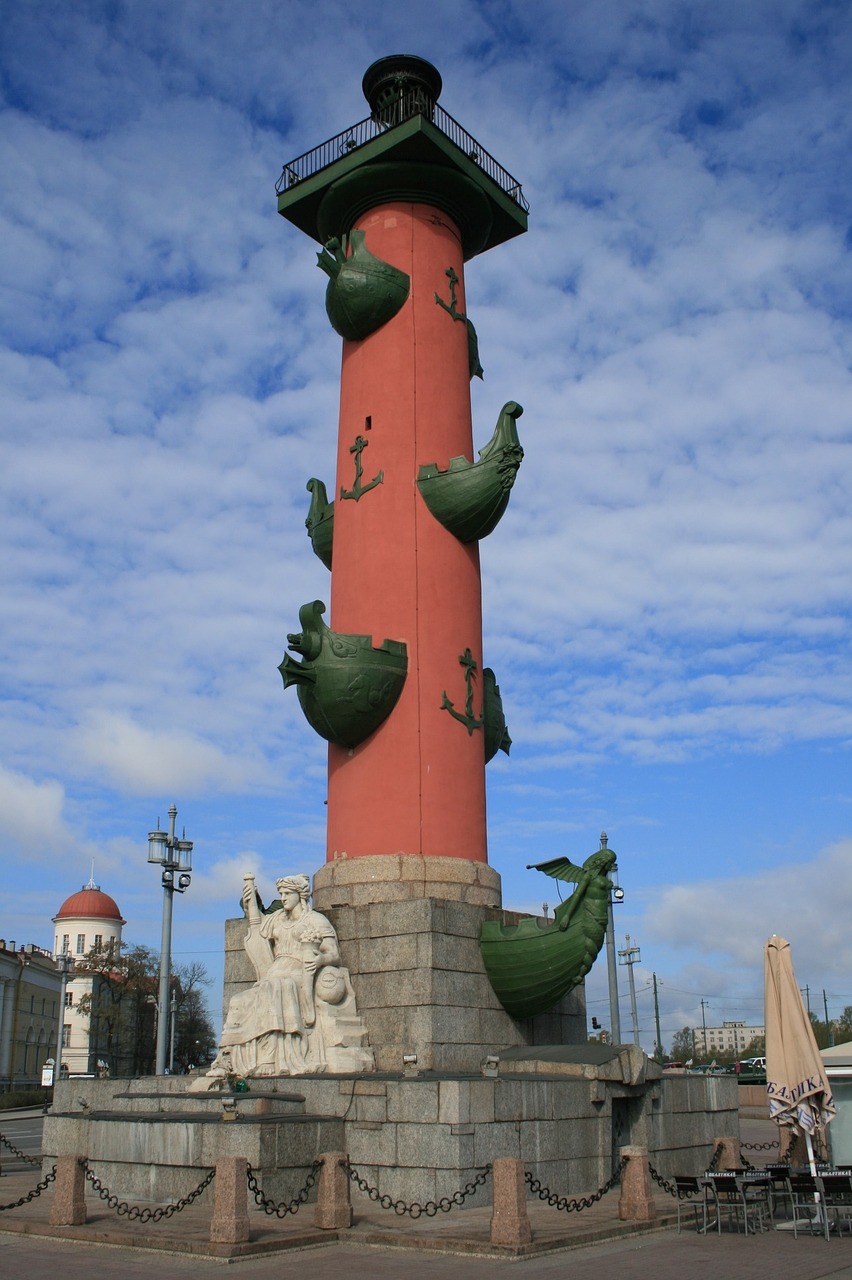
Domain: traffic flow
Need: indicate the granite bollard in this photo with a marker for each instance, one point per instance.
(333, 1209)
(69, 1198)
(230, 1221)
(510, 1223)
(636, 1203)
(730, 1156)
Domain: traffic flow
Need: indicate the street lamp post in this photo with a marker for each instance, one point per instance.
(172, 1021)
(630, 956)
(616, 895)
(175, 858)
(65, 965)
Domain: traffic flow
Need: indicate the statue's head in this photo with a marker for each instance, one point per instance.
(296, 884)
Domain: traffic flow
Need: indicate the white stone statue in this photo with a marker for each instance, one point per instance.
(300, 1016)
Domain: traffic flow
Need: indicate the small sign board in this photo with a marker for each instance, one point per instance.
(47, 1075)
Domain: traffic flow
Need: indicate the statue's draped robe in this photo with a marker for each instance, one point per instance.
(267, 1026)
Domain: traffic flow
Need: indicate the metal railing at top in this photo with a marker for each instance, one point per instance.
(405, 107)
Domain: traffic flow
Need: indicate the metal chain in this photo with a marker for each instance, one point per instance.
(281, 1210)
(672, 1189)
(22, 1155)
(132, 1211)
(414, 1210)
(578, 1203)
(34, 1194)
(669, 1187)
(758, 1146)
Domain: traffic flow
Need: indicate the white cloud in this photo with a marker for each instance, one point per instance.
(34, 820)
(145, 761)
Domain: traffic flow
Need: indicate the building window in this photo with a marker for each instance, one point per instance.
(66, 1035)
(99, 942)
(66, 944)
(81, 943)
(69, 999)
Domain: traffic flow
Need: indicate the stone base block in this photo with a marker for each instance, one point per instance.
(358, 882)
(417, 972)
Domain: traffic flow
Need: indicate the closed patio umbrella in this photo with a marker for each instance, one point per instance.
(796, 1083)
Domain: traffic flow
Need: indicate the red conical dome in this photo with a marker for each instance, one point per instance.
(89, 903)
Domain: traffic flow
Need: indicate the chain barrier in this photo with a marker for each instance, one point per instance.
(283, 1208)
(414, 1210)
(133, 1211)
(578, 1203)
(758, 1146)
(671, 1188)
(22, 1155)
(34, 1194)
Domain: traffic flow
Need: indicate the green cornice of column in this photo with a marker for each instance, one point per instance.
(412, 161)
(443, 188)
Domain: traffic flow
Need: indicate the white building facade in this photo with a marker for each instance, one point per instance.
(87, 921)
(731, 1037)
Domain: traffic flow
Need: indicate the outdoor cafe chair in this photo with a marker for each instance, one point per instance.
(689, 1189)
(806, 1203)
(835, 1189)
(727, 1199)
(756, 1191)
(778, 1174)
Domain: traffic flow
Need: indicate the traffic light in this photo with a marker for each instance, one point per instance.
(595, 1023)
(604, 1037)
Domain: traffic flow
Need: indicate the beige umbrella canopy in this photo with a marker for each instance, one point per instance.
(798, 1091)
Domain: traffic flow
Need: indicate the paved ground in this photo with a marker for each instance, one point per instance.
(659, 1256)
(381, 1246)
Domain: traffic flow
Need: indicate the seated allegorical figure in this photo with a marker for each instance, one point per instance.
(300, 1015)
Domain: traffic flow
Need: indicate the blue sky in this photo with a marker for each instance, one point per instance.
(667, 600)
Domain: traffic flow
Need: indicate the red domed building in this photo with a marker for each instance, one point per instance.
(89, 920)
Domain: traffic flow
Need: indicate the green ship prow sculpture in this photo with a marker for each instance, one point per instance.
(469, 498)
(346, 685)
(532, 964)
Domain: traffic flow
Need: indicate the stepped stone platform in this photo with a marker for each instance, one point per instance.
(413, 1138)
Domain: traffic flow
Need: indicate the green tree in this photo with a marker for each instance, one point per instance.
(821, 1031)
(843, 1026)
(195, 1039)
(683, 1045)
(121, 1015)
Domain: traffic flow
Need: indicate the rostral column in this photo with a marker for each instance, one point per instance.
(393, 677)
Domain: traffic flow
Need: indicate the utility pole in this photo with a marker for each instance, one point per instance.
(828, 1024)
(704, 1023)
(657, 1021)
(631, 956)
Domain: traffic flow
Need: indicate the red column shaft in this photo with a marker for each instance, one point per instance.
(417, 785)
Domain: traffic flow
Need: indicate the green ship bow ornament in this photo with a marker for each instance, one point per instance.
(469, 498)
(346, 686)
(532, 965)
(363, 292)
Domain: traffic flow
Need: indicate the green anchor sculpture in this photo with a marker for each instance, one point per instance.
(358, 489)
(475, 368)
(346, 686)
(468, 719)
